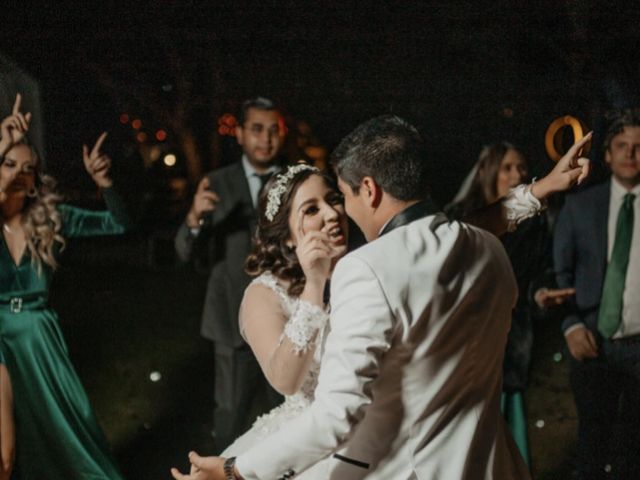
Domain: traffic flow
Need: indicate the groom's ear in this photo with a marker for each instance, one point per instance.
(371, 191)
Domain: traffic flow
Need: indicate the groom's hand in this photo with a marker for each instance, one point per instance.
(202, 468)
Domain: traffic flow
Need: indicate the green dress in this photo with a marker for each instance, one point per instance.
(57, 434)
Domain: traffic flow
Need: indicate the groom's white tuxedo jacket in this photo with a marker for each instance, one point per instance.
(411, 376)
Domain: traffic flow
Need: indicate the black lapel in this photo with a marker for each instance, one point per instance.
(416, 211)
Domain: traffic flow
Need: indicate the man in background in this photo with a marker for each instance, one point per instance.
(223, 216)
(597, 251)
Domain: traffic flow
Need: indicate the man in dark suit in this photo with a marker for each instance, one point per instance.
(223, 213)
(597, 251)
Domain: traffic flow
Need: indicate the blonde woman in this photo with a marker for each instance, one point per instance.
(56, 432)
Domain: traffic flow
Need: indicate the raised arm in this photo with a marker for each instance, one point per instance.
(204, 203)
(524, 201)
(12, 130)
(79, 222)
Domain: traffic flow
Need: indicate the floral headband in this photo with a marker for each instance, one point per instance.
(274, 197)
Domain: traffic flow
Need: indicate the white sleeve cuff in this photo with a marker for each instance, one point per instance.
(520, 204)
(572, 328)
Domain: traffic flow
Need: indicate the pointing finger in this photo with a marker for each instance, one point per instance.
(16, 105)
(203, 185)
(573, 151)
(98, 145)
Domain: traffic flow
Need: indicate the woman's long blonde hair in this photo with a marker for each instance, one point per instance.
(41, 220)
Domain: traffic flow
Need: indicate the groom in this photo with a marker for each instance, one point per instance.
(411, 374)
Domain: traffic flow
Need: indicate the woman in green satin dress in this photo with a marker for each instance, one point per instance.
(57, 436)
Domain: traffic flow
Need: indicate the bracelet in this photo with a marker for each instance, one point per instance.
(227, 467)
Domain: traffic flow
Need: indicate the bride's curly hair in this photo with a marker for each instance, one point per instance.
(270, 251)
(41, 220)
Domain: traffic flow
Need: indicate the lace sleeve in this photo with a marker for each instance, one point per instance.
(520, 204)
(281, 334)
(303, 326)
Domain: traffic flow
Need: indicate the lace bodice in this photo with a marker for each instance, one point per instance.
(269, 280)
(303, 321)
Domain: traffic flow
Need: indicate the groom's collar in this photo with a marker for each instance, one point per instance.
(413, 212)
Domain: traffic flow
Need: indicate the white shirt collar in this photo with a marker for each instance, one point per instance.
(619, 191)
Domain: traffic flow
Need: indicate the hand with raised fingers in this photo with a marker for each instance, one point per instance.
(97, 163)
(315, 254)
(570, 170)
(204, 201)
(14, 127)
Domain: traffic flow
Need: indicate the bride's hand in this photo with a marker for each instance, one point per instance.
(315, 254)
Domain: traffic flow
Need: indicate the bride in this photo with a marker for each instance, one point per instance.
(302, 232)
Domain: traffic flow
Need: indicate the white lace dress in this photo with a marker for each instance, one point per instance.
(304, 320)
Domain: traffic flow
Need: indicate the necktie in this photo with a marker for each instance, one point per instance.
(263, 180)
(610, 313)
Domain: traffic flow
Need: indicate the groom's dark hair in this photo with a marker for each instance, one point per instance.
(388, 149)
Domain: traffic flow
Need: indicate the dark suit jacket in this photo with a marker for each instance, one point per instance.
(227, 232)
(580, 252)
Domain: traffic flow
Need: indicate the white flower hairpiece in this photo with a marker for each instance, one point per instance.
(274, 197)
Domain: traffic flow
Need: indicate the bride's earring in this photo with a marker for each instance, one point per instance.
(33, 193)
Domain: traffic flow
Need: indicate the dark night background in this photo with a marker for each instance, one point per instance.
(466, 73)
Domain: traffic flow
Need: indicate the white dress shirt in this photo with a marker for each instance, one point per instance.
(630, 324)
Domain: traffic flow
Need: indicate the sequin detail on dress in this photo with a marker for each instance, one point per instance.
(304, 320)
